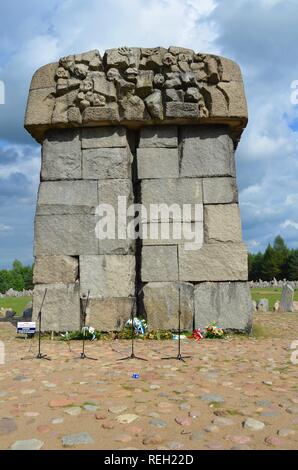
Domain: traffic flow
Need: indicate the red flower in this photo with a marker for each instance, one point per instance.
(197, 335)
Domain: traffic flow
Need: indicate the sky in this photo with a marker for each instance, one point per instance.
(261, 35)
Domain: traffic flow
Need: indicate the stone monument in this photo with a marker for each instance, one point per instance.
(156, 126)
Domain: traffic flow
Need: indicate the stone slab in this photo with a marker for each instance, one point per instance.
(104, 137)
(173, 233)
(67, 197)
(237, 101)
(61, 309)
(159, 136)
(213, 262)
(40, 107)
(107, 275)
(52, 269)
(220, 190)
(106, 163)
(222, 223)
(207, 151)
(61, 155)
(229, 304)
(175, 109)
(109, 314)
(171, 191)
(161, 302)
(159, 263)
(65, 235)
(108, 193)
(44, 77)
(287, 298)
(158, 163)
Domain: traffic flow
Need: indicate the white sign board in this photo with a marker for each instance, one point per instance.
(28, 328)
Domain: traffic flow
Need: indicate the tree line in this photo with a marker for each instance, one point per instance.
(18, 278)
(278, 261)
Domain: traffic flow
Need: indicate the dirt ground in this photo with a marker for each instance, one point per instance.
(204, 403)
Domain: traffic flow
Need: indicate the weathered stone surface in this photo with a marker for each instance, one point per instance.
(230, 71)
(44, 77)
(214, 262)
(287, 298)
(109, 314)
(175, 109)
(82, 438)
(237, 101)
(220, 190)
(173, 191)
(158, 163)
(40, 106)
(159, 263)
(263, 305)
(28, 444)
(65, 235)
(227, 303)
(67, 197)
(207, 151)
(107, 275)
(144, 85)
(61, 309)
(161, 301)
(133, 84)
(219, 105)
(110, 190)
(102, 137)
(154, 104)
(114, 192)
(253, 424)
(105, 163)
(7, 426)
(133, 108)
(61, 155)
(52, 269)
(173, 233)
(122, 57)
(174, 95)
(159, 136)
(222, 223)
(100, 114)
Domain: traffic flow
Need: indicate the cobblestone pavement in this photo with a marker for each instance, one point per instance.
(237, 393)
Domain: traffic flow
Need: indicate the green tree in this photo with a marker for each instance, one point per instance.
(281, 254)
(18, 278)
(255, 266)
(292, 268)
(270, 268)
(5, 280)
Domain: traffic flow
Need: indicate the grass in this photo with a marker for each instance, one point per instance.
(17, 304)
(258, 331)
(271, 293)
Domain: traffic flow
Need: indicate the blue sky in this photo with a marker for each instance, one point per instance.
(261, 35)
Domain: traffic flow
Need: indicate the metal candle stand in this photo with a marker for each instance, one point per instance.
(179, 356)
(39, 354)
(84, 314)
(133, 356)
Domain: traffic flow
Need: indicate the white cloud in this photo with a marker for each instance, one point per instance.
(253, 244)
(4, 228)
(289, 223)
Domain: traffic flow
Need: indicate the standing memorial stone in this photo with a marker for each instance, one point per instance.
(287, 298)
(153, 126)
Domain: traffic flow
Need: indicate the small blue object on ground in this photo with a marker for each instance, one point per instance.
(135, 376)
